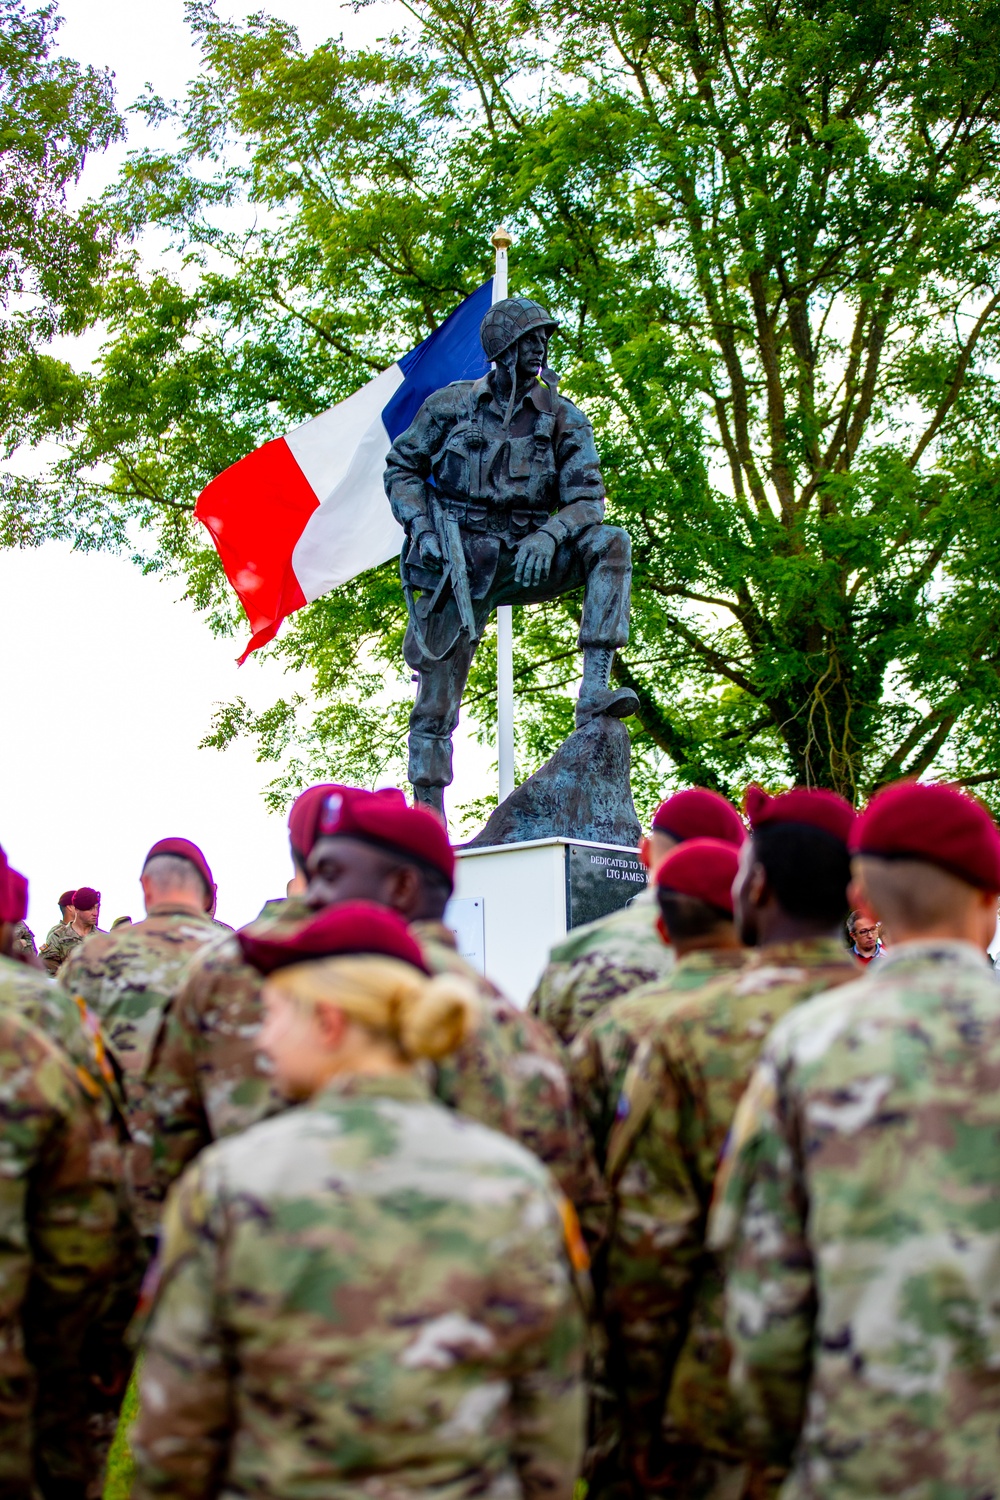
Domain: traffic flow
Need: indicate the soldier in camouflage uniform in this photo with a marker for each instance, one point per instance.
(69, 1270)
(62, 940)
(209, 1080)
(69, 1266)
(662, 1296)
(128, 978)
(416, 1331)
(597, 963)
(694, 896)
(694, 893)
(857, 1204)
(67, 912)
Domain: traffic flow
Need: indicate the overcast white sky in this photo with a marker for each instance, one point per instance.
(113, 681)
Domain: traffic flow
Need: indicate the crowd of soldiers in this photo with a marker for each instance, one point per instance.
(716, 1218)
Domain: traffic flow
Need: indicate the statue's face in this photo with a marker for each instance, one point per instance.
(531, 351)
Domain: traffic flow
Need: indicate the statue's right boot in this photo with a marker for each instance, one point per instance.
(596, 697)
(431, 797)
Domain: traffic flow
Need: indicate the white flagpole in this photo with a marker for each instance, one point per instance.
(501, 242)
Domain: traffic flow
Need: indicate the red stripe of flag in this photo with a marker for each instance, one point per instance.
(256, 511)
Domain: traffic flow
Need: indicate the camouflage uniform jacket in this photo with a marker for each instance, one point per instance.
(597, 963)
(59, 945)
(603, 1051)
(128, 978)
(68, 1265)
(511, 1075)
(859, 1206)
(366, 1296)
(662, 1293)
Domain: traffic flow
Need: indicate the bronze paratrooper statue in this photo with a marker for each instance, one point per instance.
(497, 485)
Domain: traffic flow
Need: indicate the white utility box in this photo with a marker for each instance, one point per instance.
(513, 901)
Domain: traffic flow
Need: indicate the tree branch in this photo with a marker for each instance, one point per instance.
(951, 394)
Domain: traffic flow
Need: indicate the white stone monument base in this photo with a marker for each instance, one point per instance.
(512, 902)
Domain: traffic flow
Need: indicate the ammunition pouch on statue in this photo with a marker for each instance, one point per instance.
(512, 521)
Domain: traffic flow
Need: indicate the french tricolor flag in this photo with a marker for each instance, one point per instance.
(307, 512)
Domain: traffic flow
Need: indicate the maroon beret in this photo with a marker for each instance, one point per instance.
(304, 816)
(698, 813)
(184, 849)
(936, 823)
(86, 898)
(384, 819)
(811, 806)
(66, 899)
(352, 927)
(13, 893)
(702, 868)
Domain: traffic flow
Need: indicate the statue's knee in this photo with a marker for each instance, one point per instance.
(618, 544)
(609, 544)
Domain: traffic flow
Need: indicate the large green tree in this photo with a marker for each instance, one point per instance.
(771, 233)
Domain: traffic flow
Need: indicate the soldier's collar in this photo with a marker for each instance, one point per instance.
(438, 931)
(816, 950)
(714, 958)
(949, 951)
(406, 1086)
(169, 909)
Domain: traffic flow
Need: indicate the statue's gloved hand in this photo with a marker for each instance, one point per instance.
(534, 559)
(430, 550)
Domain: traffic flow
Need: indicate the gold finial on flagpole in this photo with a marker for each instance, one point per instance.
(500, 239)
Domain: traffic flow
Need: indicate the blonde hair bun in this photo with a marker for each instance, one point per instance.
(436, 1017)
(426, 1018)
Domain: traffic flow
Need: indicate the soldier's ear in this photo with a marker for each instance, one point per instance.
(757, 889)
(331, 1023)
(404, 891)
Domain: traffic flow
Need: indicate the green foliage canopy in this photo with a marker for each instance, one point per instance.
(771, 232)
(52, 113)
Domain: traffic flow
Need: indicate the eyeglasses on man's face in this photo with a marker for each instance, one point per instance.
(868, 931)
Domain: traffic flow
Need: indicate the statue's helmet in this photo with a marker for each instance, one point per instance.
(511, 319)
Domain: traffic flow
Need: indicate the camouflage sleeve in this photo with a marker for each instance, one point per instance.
(180, 1439)
(599, 1060)
(24, 940)
(548, 1393)
(52, 954)
(571, 993)
(758, 1222)
(551, 1001)
(657, 1243)
(179, 1127)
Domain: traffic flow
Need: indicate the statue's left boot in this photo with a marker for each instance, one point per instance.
(596, 697)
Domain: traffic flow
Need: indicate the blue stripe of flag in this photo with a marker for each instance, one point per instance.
(452, 352)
